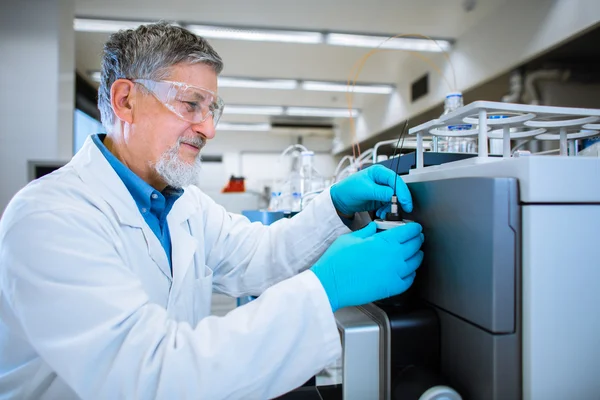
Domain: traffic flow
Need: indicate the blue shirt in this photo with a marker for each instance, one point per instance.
(153, 205)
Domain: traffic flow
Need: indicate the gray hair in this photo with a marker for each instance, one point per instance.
(148, 52)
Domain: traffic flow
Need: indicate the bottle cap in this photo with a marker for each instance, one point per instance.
(385, 225)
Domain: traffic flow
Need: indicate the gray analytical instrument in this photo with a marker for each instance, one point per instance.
(505, 305)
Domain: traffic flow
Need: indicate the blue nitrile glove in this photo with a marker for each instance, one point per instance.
(370, 189)
(365, 266)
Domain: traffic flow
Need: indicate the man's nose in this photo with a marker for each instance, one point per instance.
(205, 128)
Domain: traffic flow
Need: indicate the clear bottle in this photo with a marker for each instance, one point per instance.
(306, 172)
(449, 144)
(311, 182)
(294, 192)
(288, 195)
(274, 202)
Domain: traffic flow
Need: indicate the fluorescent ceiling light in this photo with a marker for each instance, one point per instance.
(262, 35)
(336, 39)
(253, 110)
(104, 25)
(228, 126)
(291, 84)
(343, 87)
(321, 112)
(94, 75)
(292, 111)
(288, 84)
(414, 44)
(277, 35)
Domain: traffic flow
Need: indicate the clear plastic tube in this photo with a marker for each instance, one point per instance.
(337, 168)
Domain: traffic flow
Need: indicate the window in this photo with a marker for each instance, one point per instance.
(84, 126)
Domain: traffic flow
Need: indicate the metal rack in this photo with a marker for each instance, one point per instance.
(508, 121)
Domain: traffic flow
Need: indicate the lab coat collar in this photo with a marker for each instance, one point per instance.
(98, 174)
(96, 171)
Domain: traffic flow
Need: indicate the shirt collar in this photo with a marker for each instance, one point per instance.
(139, 189)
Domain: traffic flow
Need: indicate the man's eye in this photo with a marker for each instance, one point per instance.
(191, 105)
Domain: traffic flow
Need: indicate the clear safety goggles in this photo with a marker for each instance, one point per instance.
(190, 103)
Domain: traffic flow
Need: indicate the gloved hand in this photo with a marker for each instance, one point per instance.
(370, 189)
(365, 266)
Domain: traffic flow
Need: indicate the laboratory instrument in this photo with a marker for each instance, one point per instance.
(504, 230)
(505, 303)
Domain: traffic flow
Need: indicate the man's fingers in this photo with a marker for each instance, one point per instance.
(414, 262)
(402, 233)
(410, 247)
(385, 176)
(365, 232)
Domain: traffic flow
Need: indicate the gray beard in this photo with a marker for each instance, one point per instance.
(176, 172)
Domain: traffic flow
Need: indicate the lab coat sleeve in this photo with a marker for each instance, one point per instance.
(247, 258)
(88, 317)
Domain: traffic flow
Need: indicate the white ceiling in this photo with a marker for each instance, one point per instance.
(437, 18)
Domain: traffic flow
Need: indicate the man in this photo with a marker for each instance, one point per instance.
(107, 265)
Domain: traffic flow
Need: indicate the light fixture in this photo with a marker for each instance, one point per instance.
(413, 44)
(252, 110)
(291, 111)
(229, 126)
(278, 35)
(104, 25)
(321, 112)
(262, 35)
(343, 87)
(231, 82)
(289, 84)
(94, 76)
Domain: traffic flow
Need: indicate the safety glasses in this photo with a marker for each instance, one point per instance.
(190, 103)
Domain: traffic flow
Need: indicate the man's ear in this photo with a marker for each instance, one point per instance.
(121, 99)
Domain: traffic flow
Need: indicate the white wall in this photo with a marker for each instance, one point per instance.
(36, 87)
(514, 34)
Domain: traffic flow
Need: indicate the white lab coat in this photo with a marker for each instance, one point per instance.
(88, 308)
